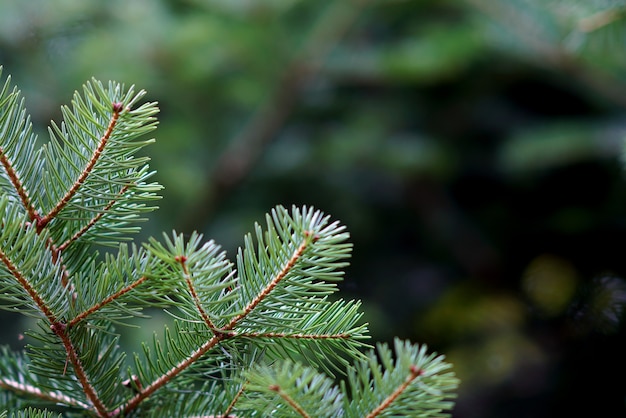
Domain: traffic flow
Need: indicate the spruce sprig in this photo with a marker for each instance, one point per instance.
(269, 321)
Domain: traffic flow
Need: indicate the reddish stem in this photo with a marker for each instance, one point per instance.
(60, 330)
(106, 301)
(414, 372)
(205, 317)
(92, 222)
(268, 289)
(42, 222)
(19, 187)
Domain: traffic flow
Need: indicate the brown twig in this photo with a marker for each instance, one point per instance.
(92, 221)
(50, 396)
(221, 334)
(42, 222)
(165, 378)
(182, 260)
(414, 372)
(28, 287)
(19, 186)
(106, 301)
(296, 406)
(60, 330)
(232, 403)
(271, 285)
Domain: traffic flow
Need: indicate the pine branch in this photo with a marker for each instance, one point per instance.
(35, 392)
(34, 413)
(18, 140)
(42, 222)
(414, 372)
(234, 323)
(194, 294)
(265, 292)
(415, 384)
(92, 222)
(109, 299)
(17, 184)
(60, 330)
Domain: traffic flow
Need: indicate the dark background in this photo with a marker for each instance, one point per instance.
(473, 149)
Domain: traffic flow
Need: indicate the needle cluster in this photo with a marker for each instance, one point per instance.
(258, 336)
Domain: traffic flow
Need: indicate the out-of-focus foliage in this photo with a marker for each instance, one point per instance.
(472, 149)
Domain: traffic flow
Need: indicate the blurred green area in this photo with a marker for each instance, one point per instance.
(471, 148)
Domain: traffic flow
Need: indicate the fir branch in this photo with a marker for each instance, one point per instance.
(274, 282)
(60, 330)
(117, 109)
(148, 390)
(232, 403)
(290, 401)
(16, 149)
(96, 307)
(194, 295)
(26, 285)
(276, 304)
(286, 387)
(19, 187)
(414, 372)
(93, 221)
(35, 392)
(281, 335)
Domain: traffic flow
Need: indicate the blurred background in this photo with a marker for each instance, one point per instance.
(472, 148)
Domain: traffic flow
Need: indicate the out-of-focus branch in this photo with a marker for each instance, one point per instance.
(247, 146)
(555, 55)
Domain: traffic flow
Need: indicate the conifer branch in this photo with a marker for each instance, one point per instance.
(57, 250)
(414, 372)
(60, 330)
(19, 186)
(92, 222)
(148, 390)
(26, 285)
(182, 260)
(35, 392)
(42, 222)
(232, 403)
(272, 284)
(106, 301)
(297, 407)
(342, 336)
(280, 304)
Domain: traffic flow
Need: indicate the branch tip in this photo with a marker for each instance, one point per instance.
(314, 237)
(416, 371)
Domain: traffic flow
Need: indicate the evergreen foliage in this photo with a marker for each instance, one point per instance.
(249, 338)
